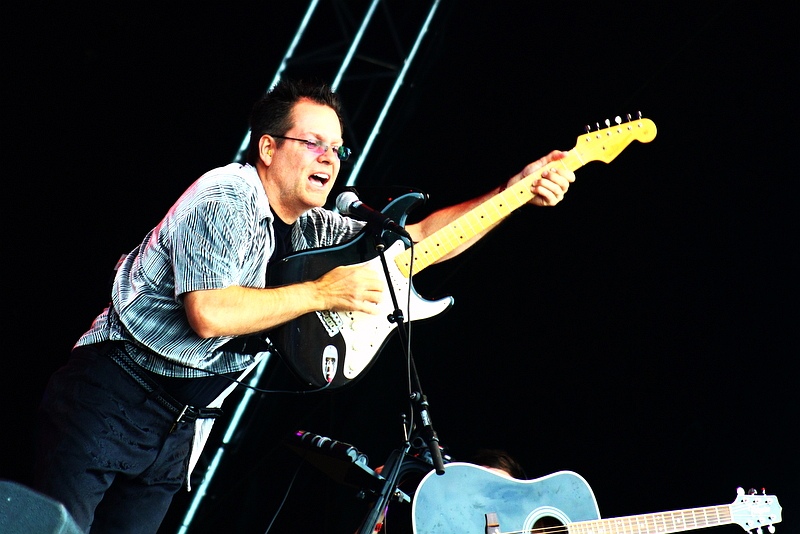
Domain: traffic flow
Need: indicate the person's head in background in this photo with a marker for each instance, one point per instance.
(499, 461)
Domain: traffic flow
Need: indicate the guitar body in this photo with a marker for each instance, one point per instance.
(466, 496)
(335, 348)
(458, 501)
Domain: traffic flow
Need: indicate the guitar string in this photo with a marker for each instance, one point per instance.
(543, 530)
(722, 519)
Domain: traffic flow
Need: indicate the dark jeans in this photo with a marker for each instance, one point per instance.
(105, 449)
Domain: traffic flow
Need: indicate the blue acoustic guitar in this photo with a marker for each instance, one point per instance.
(471, 499)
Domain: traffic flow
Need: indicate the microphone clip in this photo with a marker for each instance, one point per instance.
(349, 204)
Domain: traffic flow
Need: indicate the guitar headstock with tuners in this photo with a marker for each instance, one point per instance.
(606, 144)
(753, 511)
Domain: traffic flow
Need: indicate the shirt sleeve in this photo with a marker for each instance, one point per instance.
(211, 242)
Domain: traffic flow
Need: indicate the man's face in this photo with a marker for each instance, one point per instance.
(303, 177)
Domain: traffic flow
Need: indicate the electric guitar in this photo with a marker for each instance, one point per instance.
(471, 499)
(331, 348)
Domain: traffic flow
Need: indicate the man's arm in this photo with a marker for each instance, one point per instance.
(237, 310)
(548, 191)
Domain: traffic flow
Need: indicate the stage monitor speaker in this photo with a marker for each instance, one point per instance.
(25, 511)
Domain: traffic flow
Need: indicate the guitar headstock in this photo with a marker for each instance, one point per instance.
(752, 511)
(606, 144)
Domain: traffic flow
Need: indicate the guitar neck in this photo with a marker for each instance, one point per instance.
(659, 523)
(480, 218)
(602, 145)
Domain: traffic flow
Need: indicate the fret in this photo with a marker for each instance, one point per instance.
(475, 223)
(650, 521)
(519, 193)
(656, 523)
(451, 238)
(627, 525)
(696, 519)
(501, 209)
(678, 523)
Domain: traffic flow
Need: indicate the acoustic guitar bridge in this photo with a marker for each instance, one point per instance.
(492, 523)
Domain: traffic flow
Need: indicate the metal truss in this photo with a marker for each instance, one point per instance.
(363, 50)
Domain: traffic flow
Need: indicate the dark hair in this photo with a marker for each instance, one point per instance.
(499, 459)
(272, 113)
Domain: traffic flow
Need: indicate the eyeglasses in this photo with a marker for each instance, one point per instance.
(318, 147)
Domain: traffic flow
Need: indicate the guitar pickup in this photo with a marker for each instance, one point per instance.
(331, 321)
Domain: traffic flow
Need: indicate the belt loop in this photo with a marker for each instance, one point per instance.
(178, 420)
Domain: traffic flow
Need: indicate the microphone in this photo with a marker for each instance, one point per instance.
(348, 203)
(335, 449)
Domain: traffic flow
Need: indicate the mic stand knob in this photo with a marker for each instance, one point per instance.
(429, 434)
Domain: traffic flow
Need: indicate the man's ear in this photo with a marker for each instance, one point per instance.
(265, 148)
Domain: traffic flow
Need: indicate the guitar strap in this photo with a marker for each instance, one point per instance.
(283, 243)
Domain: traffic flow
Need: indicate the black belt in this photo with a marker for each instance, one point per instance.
(184, 412)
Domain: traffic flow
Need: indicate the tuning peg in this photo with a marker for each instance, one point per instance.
(618, 120)
(771, 529)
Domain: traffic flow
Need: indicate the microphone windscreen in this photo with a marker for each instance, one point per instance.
(344, 201)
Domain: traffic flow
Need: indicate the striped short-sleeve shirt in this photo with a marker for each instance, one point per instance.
(218, 234)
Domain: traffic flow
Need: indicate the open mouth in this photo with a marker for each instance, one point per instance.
(320, 178)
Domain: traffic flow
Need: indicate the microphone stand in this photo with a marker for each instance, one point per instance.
(417, 396)
(373, 522)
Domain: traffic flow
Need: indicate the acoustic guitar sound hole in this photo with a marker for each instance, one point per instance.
(543, 525)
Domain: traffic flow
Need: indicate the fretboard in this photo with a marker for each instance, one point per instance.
(659, 523)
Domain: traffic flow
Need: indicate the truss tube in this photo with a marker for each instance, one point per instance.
(351, 180)
(286, 57)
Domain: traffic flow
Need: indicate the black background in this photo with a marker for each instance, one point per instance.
(641, 333)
